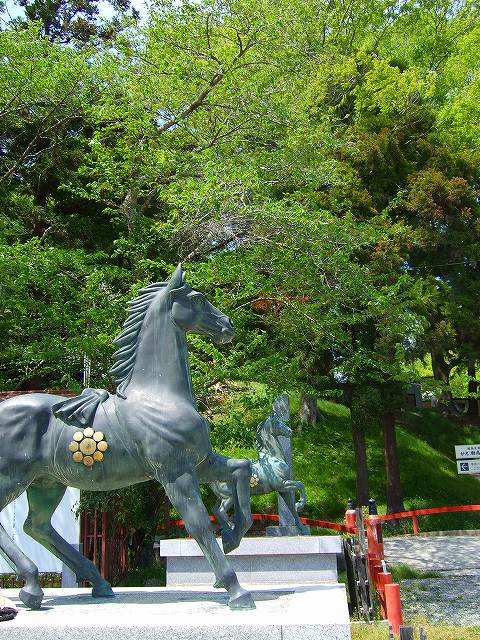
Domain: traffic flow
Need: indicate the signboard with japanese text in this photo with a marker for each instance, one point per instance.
(467, 451)
(468, 466)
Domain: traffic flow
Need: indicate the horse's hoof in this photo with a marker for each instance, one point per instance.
(103, 591)
(244, 601)
(31, 599)
(228, 542)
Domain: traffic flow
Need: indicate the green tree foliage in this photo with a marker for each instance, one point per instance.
(57, 305)
(74, 20)
(314, 165)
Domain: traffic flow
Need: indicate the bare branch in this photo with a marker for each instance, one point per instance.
(201, 98)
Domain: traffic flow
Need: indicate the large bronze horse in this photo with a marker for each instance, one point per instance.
(150, 429)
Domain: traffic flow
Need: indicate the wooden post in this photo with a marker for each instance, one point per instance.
(394, 606)
(406, 633)
(95, 541)
(381, 579)
(416, 528)
(350, 518)
(360, 530)
(375, 541)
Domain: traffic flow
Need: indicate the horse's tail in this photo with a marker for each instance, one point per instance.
(300, 505)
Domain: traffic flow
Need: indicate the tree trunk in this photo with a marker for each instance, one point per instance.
(359, 447)
(141, 549)
(392, 468)
(309, 413)
(441, 371)
(472, 389)
(361, 468)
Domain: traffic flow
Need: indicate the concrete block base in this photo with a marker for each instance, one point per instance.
(284, 530)
(308, 612)
(272, 560)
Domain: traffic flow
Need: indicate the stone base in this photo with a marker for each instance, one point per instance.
(268, 561)
(309, 612)
(286, 530)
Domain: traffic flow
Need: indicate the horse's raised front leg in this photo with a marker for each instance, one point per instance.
(181, 486)
(220, 511)
(237, 473)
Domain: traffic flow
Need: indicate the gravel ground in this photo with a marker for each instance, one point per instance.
(438, 554)
(453, 598)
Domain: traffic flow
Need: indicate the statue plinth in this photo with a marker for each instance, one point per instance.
(270, 560)
(286, 530)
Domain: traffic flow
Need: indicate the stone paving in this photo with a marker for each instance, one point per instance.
(454, 597)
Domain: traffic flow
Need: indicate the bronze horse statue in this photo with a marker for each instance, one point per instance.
(149, 429)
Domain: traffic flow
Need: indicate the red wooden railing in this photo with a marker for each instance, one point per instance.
(104, 543)
(414, 513)
(272, 517)
(93, 534)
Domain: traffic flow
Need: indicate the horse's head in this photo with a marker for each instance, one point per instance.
(193, 312)
(280, 428)
(273, 426)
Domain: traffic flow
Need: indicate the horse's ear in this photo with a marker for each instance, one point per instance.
(177, 279)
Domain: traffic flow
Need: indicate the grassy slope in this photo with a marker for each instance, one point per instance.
(323, 459)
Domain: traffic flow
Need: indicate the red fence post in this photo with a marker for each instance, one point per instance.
(382, 579)
(104, 572)
(416, 528)
(375, 542)
(394, 606)
(350, 519)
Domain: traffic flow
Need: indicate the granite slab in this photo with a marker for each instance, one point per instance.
(301, 612)
(283, 560)
(285, 545)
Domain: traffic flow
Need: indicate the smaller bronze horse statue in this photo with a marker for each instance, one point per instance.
(269, 473)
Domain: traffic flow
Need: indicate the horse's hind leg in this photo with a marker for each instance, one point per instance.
(31, 594)
(288, 495)
(43, 498)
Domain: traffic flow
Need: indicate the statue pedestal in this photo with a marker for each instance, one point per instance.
(272, 561)
(315, 612)
(284, 530)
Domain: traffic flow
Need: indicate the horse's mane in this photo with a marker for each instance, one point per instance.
(124, 357)
(259, 441)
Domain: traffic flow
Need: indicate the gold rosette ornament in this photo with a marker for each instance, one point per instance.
(254, 480)
(88, 446)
